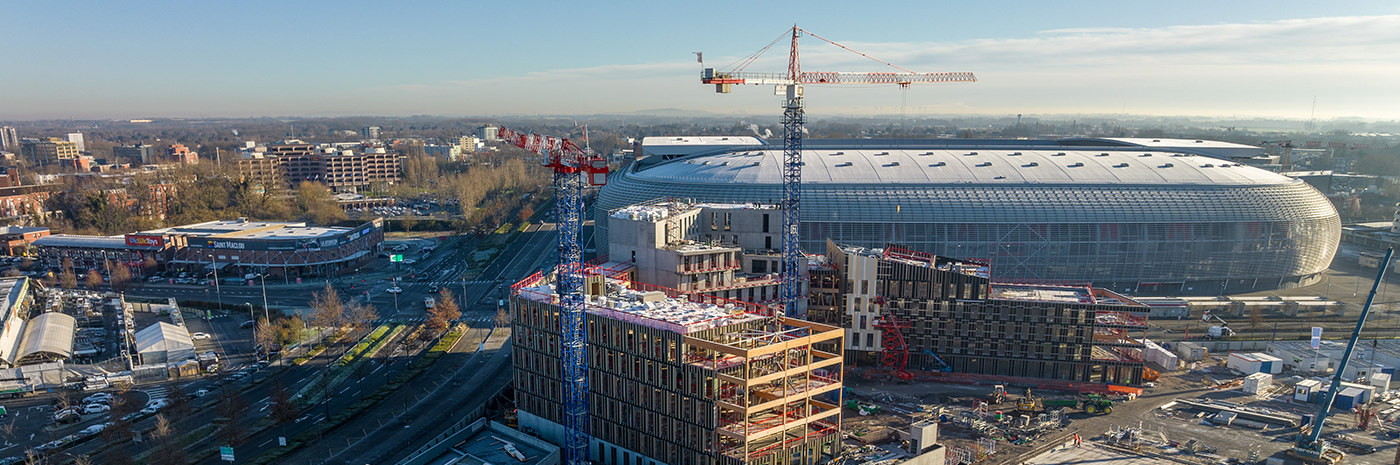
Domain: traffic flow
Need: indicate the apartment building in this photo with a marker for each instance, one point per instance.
(938, 310)
(340, 168)
(48, 151)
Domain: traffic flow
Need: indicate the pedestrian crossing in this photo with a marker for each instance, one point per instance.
(450, 283)
(157, 392)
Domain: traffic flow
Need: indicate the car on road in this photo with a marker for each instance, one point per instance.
(395, 290)
(92, 409)
(158, 403)
(434, 290)
(198, 336)
(248, 324)
(94, 429)
(106, 396)
(409, 261)
(200, 393)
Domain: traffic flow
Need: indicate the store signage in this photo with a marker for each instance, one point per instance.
(147, 241)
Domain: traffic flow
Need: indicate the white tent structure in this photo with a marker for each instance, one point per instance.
(164, 342)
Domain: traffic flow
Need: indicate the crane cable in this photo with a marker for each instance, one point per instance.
(746, 61)
(853, 51)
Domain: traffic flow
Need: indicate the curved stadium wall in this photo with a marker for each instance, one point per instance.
(1175, 224)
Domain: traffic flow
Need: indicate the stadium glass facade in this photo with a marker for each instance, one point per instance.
(1143, 221)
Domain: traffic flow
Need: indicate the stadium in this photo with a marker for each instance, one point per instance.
(1149, 217)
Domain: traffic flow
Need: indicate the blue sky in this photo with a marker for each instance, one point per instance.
(264, 58)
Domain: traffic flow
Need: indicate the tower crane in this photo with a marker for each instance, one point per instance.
(1309, 447)
(1287, 159)
(790, 84)
(572, 167)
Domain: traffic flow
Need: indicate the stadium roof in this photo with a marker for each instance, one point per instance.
(951, 166)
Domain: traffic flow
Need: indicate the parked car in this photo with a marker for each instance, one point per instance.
(92, 409)
(94, 429)
(198, 336)
(107, 396)
(158, 403)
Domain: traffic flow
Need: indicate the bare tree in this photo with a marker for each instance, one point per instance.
(265, 335)
(1256, 319)
(67, 277)
(178, 407)
(167, 450)
(121, 276)
(360, 315)
(93, 279)
(231, 407)
(327, 310)
(441, 315)
(502, 318)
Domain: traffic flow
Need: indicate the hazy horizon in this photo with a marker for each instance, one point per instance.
(156, 59)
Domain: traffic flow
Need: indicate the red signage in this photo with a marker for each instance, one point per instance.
(147, 241)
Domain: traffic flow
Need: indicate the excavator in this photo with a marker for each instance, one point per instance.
(940, 364)
(1310, 448)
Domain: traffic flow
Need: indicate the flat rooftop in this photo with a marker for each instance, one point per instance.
(655, 212)
(652, 308)
(1043, 293)
(251, 230)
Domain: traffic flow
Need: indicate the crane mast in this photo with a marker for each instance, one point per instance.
(573, 168)
(790, 85)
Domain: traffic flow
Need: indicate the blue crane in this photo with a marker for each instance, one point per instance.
(790, 85)
(942, 365)
(573, 168)
(1309, 447)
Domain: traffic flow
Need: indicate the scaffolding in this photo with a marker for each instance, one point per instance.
(777, 385)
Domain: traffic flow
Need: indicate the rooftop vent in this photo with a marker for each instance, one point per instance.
(985, 164)
(1199, 142)
(1000, 177)
(846, 164)
(1077, 165)
(1208, 165)
(757, 163)
(1156, 140)
(881, 154)
(1059, 154)
(1105, 154)
(968, 154)
(893, 164)
(706, 162)
(724, 164)
(1121, 165)
(724, 138)
(1167, 165)
(1015, 154)
(926, 153)
(837, 153)
(939, 164)
(1031, 164)
(1145, 155)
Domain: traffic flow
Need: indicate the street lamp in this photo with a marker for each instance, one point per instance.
(217, 292)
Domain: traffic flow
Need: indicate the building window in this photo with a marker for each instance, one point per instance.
(768, 242)
(870, 340)
(765, 222)
(760, 266)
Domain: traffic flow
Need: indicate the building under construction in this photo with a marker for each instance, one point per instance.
(913, 310)
(678, 377)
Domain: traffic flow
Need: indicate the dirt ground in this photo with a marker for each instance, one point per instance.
(1177, 426)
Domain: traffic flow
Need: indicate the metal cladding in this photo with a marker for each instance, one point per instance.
(1135, 219)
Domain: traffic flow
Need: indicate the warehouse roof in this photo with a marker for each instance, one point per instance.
(163, 336)
(50, 333)
(242, 229)
(940, 165)
(69, 240)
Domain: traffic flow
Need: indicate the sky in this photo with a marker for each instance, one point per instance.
(1243, 58)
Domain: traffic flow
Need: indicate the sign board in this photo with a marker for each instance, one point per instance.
(282, 441)
(226, 453)
(145, 241)
(1316, 337)
(396, 258)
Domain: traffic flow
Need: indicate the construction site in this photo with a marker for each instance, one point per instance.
(683, 380)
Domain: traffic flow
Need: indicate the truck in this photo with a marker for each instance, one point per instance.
(428, 302)
(1370, 259)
